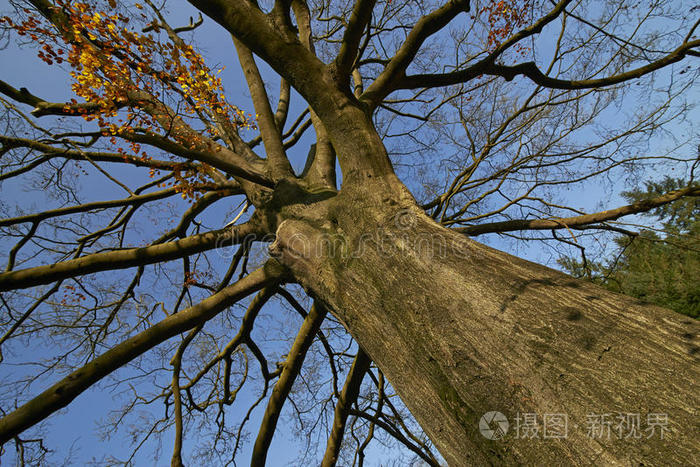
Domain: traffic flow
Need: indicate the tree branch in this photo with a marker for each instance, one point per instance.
(96, 156)
(176, 362)
(282, 51)
(42, 107)
(531, 71)
(292, 366)
(63, 392)
(395, 434)
(122, 259)
(396, 68)
(271, 135)
(283, 105)
(361, 156)
(347, 398)
(578, 221)
(190, 143)
(215, 155)
(319, 169)
(130, 201)
(359, 19)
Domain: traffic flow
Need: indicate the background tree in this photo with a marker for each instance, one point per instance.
(400, 130)
(656, 266)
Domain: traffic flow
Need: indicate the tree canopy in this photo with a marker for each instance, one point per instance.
(206, 205)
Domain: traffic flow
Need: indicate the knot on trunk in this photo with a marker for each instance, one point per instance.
(311, 252)
(301, 243)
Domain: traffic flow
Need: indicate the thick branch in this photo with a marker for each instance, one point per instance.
(283, 105)
(270, 132)
(579, 221)
(292, 366)
(360, 18)
(219, 157)
(319, 169)
(62, 393)
(361, 155)
(347, 398)
(396, 68)
(20, 95)
(123, 259)
(42, 107)
(283, 52)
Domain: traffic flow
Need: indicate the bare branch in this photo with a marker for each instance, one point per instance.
(130, 201)
(319, 169)
(396, 434)
(487, 66)
(347, 398)
(269, 130)
(579, 221)
(123, 259)
(97, 156)
(292, 366)
(396, 68)
(63, 392)
(214, 155)
(42, 107)
(531, 71)
(360, 18)
(176, 362)
(283, 105)
(285, 54)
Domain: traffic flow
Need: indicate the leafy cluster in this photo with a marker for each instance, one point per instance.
(115, 67)
(112, 63)
(504, 18)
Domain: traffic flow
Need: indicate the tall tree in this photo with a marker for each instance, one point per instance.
(447, 120)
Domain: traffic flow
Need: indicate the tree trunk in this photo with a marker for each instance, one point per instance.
(460, 329)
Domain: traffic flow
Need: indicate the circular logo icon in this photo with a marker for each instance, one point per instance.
(404, 219)
(493, 425)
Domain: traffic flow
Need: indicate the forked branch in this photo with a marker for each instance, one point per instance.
(292, 366)
(63, 392)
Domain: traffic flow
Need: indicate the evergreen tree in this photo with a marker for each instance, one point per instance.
(656, 266)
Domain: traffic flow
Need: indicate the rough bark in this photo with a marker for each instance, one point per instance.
(461, 329)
